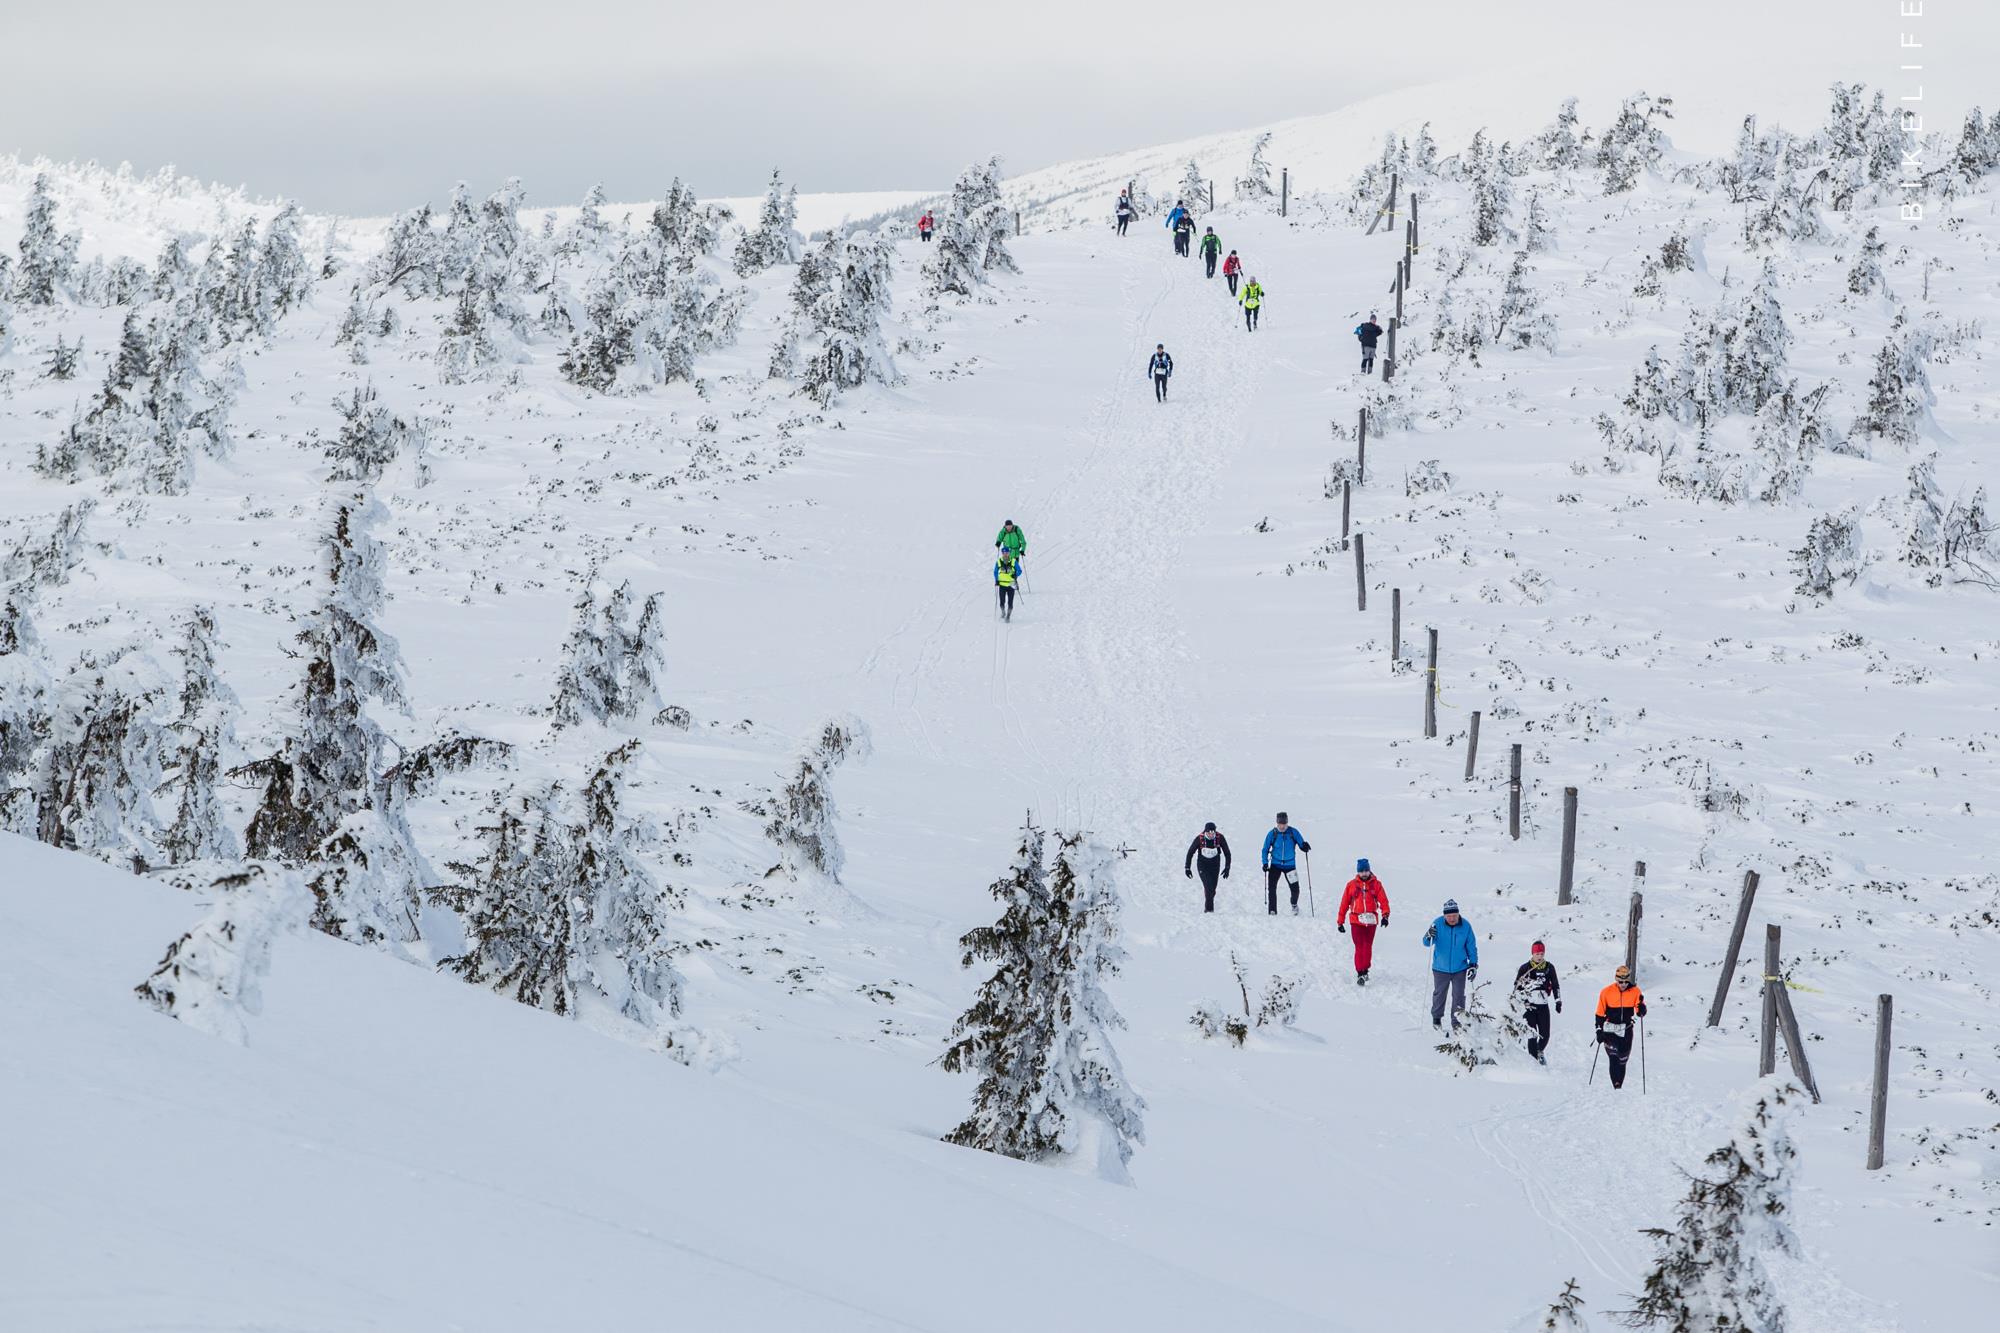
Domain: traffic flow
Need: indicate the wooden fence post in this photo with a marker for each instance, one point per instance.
(1360, 575)
(1514, 793)
(1395, 627)
(1361, 447)
(1394, 181)
(1795, 1046)
(1346, 507)
(1211, 196)
(1389, 361)
(1767, 1035)
(1735, 947)
(1414, 240)
(1565, 887)
(1472, 746)
(1397, 287)
(1431, 687)
(1284, 191)
(1632, 916)
(1878, 1100)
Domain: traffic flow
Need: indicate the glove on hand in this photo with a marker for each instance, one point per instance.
(1642, 1008)
(1471, 974)
(1188, 871)
(1225, 874)
(1559, 1006)
(1340, 927)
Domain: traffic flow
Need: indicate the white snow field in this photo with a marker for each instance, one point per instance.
(390, 1148)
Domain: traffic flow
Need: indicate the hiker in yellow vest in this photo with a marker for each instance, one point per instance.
(1006, 573)
(1253, 297)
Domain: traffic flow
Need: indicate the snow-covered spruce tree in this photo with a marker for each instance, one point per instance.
(1565, 1312)
(1038, 1032)
(355, 326)
(1710, 1274)
(1785, 212)
(1951, 541)
(203, 730)
(48, 255)
(465, 347)
(46, 562)
(1492, 193)
(845, 348)
(212, 977)
(803, 820)
(284, 277)
(173, 273)
(813, 297)
(1978, 149)
(1790, 430)
(409, 258)
(559, 910)
(101, 758)
(1520, 321)
(1754, 364)
(324, 803)
(1540, 232)
(971, 239)
(1560, 147)
(1194, 187)
(613, 661)
(604, 343)
(63, 357)
(157, 413)
(24, 690)
(1899, 392)
(243, 310)
(1634, 143)
(1831, 556)
(775, 238)
(1255, 187)
(371, 438)
(459, 245)
(1864, 278)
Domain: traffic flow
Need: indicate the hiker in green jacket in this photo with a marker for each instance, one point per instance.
(1012, 541)
(1211, 249)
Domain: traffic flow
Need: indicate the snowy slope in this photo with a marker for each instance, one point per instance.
(1188, 649)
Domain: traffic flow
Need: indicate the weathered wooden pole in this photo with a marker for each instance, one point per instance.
(1395, 627)
(1389, 360)
(1795, 1046)
(1394, 181)
(1767, 1036)
(1514, 792)
(1431, 686)
(1361, 447)
(1632, 915)
(1284, 191)
(1397, 287)
(1748, 897)
(1415, 241)
(1346, 508)
(1472, 745)
(1211, 195)
(1565, 887)
(1878, 1099)
(1017, 222)
(1360, 575)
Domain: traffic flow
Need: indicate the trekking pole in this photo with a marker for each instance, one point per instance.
(1311, 909)
(1642, 1057)
(1597, 1046)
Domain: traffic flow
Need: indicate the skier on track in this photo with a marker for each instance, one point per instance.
(1005, 573)
(1010, 540)
(1212, 849)
(1368, 903)
(1369, 334)
(1211, 249)
(1454, 947)
(1184, 235)
(1161, 368)
(1536, 986)
(1124, 211)
(925, 225)
(1281, 848)
(1250, 300)
(1619, 1006)
(1232, 269)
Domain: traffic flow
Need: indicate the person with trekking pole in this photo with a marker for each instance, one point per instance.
(1536, 986)
(1161, 368)
(1369, 334)
(1454, 947)
(1619, 1006)
(1124, 211)
(1210, 850)
(1232, 269)
(1281, 848)
(1006, 573)
(1211, 250)
(1368, 903)
(1011, 540)
(1184, 235)
(1250, 300)
(1175, 216)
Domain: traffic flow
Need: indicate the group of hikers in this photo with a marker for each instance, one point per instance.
(1012, 544)
(1454, 944)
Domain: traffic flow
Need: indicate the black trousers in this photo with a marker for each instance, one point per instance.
(1160, 387)
(1211, 264)
(1210, 870)
(1272, 874)
(1233, 277)
(1250, 318)
(1180, 243)
(924, 235)
(1122, 224)
(1538, 1019)
(1618, 1050)
(1006, 601)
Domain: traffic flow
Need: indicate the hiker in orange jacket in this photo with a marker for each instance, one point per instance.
(1368, 903)
(1619, 1005)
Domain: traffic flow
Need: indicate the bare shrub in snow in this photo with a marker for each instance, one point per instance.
(212, 977)
(1278, 1006)
(1213, 1022)
(1426, 478)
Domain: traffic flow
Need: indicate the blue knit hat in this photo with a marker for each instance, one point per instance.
(1450, 906)
(1362, 864)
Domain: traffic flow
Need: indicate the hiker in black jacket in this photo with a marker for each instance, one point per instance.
(1536, 984)
(1161, 367)
(1212, 849)
(1369, 334)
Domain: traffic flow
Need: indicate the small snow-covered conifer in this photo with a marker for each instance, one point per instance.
(212, 977)
(1634, 143)
(1832, 554)
(804, 822)
(1899, 392)
(48, 255)
(774, 240)
(203, 732)
(1256, 183)
(1559, 147)
(1865, 277)
(1194, 187)
(613, 661)
(1565, 1313)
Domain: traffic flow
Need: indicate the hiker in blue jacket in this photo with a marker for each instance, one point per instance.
(1175, 214)
(1454, 950)
(1281, 848)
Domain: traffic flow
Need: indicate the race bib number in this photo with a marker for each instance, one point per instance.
(1366, 918)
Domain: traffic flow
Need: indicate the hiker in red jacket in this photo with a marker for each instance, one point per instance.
(1368, 904)
(924, 226)
(1232, 269)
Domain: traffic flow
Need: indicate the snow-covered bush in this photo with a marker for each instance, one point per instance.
(775, 238)
(371, 438)
(802, 817)
(1832, 554)
(1482, 1037)
(1565, 1312)
(212, 977)
(1215, 1023)
(157, 413)
(35, 564)
(613, 660)
(1634, 143)
(972, 234)
(1278, 1006)
(1709, 1272)
(1255, 185)
(203, 732)
(1864, 277)
(1194, 188)
(832, 339)
(1899, 392)
(48, 255)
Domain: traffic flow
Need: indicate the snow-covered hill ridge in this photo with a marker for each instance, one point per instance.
(1613, 584)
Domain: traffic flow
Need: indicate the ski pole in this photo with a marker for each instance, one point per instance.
(1311, 909)
(1595, 1047)
(1642, 1057)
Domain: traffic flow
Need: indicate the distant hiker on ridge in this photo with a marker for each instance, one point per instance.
(1368, 903)
(1211, 249)
(1213, 850)
(1161, 368)
(1369, 333)
(1281, 848)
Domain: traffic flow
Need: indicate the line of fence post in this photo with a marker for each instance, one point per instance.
(1472, 745)
(1514, 792)
(1431, 685)
(1284, 191)
(1633, 914)
(1397, 287)
(1395, 627)
(1360, 575)
(1413, 224)
(1795, 1046)
(1743, 902)
(1394, 181)
(1878, 1099)
(1767, 1032)
(1361, 447)
(1346, 509)
(1566, 885)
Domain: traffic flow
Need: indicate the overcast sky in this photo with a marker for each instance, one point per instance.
(365, 106)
